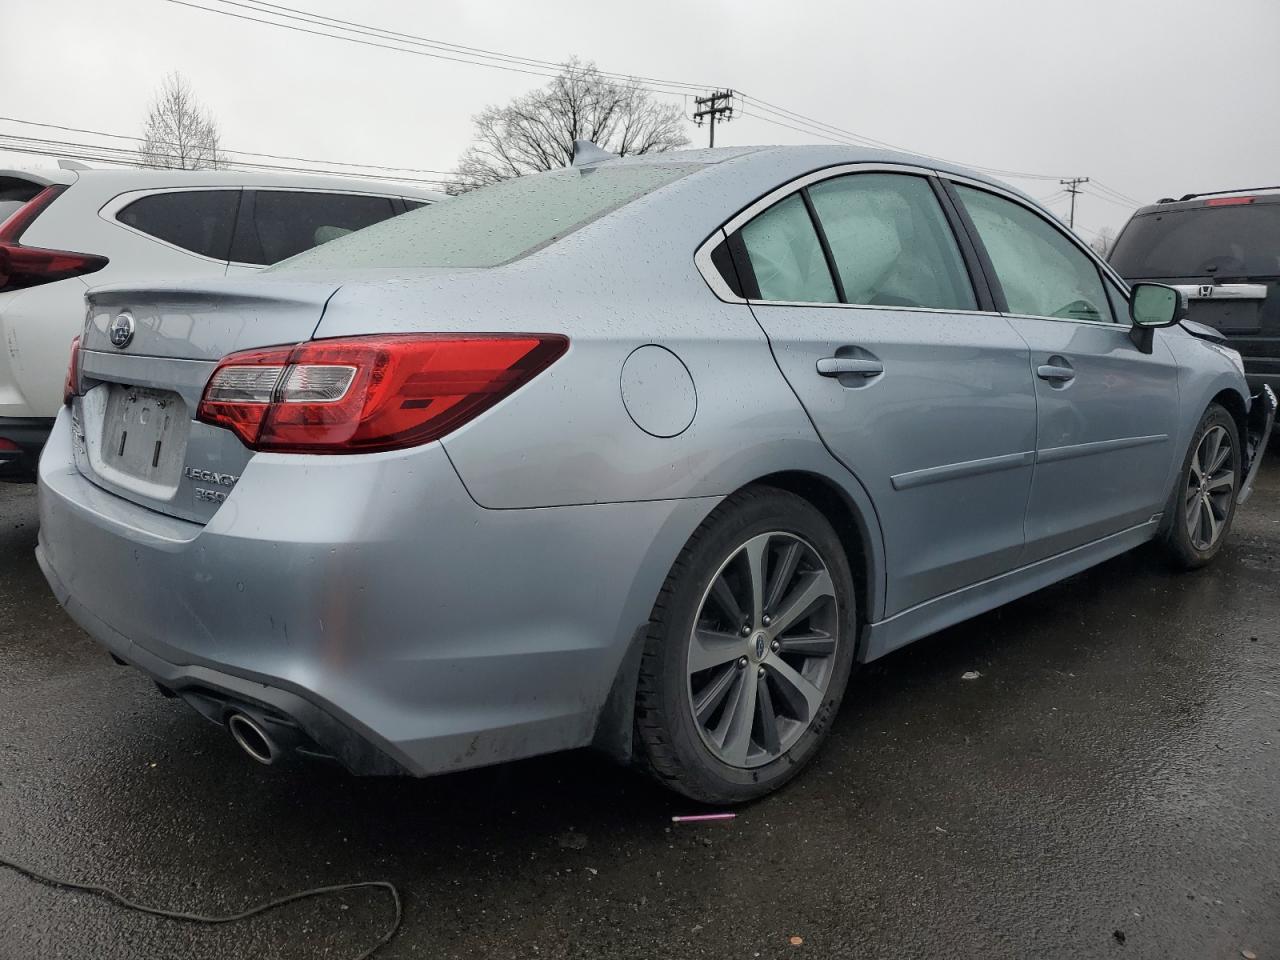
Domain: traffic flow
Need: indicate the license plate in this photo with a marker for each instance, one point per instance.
(143, 433)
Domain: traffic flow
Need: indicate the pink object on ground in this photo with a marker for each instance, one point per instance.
(703, 816)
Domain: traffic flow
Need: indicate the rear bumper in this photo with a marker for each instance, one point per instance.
(1262, 418)
(368, 600)
(28, 435)
(296, 723)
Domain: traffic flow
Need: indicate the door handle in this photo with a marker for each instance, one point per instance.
(1051, 371)
(845, 366)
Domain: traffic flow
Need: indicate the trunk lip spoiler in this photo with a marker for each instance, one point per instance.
(1262, 408)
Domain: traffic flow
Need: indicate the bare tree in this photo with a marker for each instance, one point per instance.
(535, 132)
(180, 134)
(1102, 242)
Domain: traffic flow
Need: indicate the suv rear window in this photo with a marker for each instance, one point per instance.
(1231, 241)
(197, 220)
(285, 223)
(14, 193)
(498, 223)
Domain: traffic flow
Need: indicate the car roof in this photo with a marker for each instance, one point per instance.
(136, 178)
(1192, 201)
(799, 159)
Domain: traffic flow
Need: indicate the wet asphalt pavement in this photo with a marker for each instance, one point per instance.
(1108, 787)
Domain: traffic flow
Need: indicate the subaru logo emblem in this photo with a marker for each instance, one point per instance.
(121, 331)
(759, 646)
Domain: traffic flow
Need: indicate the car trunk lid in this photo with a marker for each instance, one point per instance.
(146, 354)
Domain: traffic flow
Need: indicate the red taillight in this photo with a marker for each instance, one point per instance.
(29, 266)
(1228, 201)
(71, 388)
(365, 394)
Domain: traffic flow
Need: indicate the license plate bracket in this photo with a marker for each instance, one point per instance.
(144, 434)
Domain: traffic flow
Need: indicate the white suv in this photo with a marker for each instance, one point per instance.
(62, 231)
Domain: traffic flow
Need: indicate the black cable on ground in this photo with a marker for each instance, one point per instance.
(230, 918)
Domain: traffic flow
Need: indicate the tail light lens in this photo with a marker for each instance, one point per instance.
(366, 394)
(29, 266)
(71, 388)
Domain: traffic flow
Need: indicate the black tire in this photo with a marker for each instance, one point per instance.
(673, 745)
(1178, 544)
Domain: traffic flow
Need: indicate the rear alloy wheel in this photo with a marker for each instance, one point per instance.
(749, 650)
(1204, 500)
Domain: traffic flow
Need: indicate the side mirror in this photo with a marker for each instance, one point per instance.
(1154, 305)
(1151, 306)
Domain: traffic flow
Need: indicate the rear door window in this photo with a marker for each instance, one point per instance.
(200, 221)
(786, 255)
(285, 223)
(1042, 273)
(891, 242)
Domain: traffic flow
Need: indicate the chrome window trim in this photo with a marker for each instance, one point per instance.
(702, 260)
(1105, 270)
(702, 256)
(705, 266)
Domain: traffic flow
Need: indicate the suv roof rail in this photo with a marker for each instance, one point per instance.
(1214, 193)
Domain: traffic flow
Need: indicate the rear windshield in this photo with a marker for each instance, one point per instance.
(1230, 241)
(14, 194)
(494, 224)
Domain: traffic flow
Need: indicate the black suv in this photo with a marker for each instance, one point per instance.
(1223, 251)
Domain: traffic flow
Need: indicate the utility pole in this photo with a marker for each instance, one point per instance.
(717, 104)
(1073, 187)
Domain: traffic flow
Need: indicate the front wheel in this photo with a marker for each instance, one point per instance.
(749, 650)
(1204, 499)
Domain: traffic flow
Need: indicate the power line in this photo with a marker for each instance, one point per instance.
(75, 150)
(1119, 203)
(549, 71)
(1098, 184)
(289, 12)
(222, 149)
(543, 68)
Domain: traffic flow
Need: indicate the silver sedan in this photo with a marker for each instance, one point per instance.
(644, 454)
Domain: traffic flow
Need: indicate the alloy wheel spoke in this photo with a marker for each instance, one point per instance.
(710, 648)
(801, 695)
(783, 574)
(1209, 450)
(1213, 523)
(1194, 512)
(727, 602)
(713, 694)
(1197, 474)
(1221, 456)
(756, 552)
(769, 738)
(734, 730)
(809, 589)
(814, 644)
(1223, 481)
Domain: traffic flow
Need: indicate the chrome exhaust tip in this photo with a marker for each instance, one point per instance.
(252, 739)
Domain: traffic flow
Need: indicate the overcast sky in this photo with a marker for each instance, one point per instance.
(1150, 97)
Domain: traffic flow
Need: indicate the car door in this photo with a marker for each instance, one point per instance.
(873, 316)
(277, 224)
(1107, 409)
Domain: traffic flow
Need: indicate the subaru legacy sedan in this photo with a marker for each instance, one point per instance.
(643, 453)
